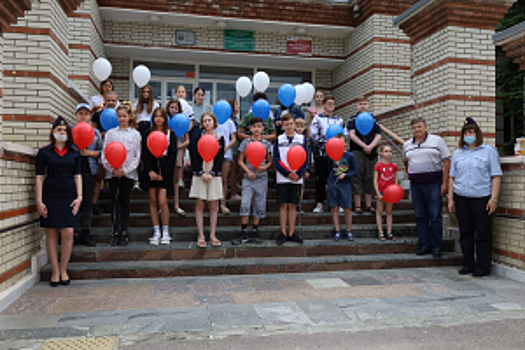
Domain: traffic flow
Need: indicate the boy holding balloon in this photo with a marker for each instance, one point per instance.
(384, 175)
(290, 155)
(365, 135)
(255, 182)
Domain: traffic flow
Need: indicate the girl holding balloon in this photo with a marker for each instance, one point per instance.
(159, 152)
(120, 158)
(384, 175)
(207, 154)
(174, 108)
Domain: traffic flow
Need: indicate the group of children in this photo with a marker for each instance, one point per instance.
(356, 172)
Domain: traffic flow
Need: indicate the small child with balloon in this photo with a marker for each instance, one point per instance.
(343, 167)
(384, 176)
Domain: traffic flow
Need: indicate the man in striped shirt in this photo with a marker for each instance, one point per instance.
(427, 160)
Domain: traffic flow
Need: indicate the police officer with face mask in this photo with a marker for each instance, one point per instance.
(474, 186)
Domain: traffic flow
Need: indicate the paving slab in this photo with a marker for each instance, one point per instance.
(321, 312)
(234, 316)
(275, 314)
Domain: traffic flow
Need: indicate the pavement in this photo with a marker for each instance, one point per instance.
(399, 309)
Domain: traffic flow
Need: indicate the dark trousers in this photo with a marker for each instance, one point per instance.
(321, 176)
(143, 126)
(86, 208)
(429, 220)
(120, 191)
(475, 228)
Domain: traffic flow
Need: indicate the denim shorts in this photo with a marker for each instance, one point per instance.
(339, 194)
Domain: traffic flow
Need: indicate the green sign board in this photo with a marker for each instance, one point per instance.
(238, 40)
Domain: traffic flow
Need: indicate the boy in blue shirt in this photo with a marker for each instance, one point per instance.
(339, 190)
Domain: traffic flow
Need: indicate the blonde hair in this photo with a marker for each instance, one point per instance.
(300, 122)
(212, 116)
(127, 106)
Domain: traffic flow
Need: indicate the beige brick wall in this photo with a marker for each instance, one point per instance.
(121, 67)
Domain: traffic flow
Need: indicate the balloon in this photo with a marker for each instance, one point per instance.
(157, 143)
(109, 119)
(243, 86)
(261, 81)
(296, 157)
(261, 108)
(180, 124)
(300, 95)
(208, 147)
(222, 110)
(102, 68)
(286, 94)
(335, 148)
(115, 153)
(333, 130)
(310, 92)
(83, 135)
(255, 153)
(141, 75)
(364, 123)
(393, 194)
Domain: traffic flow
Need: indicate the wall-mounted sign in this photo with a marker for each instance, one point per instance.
(299, 46)
(185, 37)
(238, 40)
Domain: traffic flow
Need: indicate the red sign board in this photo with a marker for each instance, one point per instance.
(299, 46)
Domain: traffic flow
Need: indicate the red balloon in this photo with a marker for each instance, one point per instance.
(157, 143)
(83, 135)
(393, 194)
(255, 153)
(208, 147)
(296, 157)
(116, 154)
(335, 148)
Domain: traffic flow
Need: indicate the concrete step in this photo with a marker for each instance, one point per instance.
(208, 267)
(227, 233)
(143, 251)
(272, 218)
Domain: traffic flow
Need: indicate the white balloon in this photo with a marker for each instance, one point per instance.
(141, 75)
(310, 92)
(243, 86)
(261, 81)
(102, 68)
(300, 94)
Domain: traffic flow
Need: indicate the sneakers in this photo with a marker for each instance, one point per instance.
(239, 240)
(300, 210)
(180, 183)
(281, 239)
(115, 238)
(295, 238)
(349, 236)
(166, 239)
(155, 239)
(225, 210)
(318, 208)
(337, 236)
(254, 238)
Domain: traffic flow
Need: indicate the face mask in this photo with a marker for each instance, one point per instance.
(60, 137)
(469, 140)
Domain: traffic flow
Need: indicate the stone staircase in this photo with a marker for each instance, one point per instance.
(183, 258)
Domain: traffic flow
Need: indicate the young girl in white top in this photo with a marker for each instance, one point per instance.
(121, 180)
(144, 108)
(228, 130)
(206, 184)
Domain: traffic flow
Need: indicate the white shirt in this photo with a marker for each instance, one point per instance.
(145, 116)
(187, 109)
(225, 130)
(97, 100)
(132, 140)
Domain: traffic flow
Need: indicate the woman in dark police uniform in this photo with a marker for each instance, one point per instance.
(59, 195)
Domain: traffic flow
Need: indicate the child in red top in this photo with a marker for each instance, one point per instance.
(384, 175)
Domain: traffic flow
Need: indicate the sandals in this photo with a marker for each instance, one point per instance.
(358, 210)
(390, 236)
(371, 209)
(215, 243)
(381, 236)
(180, 212)
(201, 243)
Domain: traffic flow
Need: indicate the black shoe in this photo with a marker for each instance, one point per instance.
(123, 240)
(54, 284)
(281, 239)
(65, 282)
(239, 240)
(465, 271)
(436, 254)
(295, 238)
(253, 239)
(423, 252)
(479, 273)
(115, 239)
(89, 242)
(96, 210)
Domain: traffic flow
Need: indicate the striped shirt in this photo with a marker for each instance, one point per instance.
(425, 159)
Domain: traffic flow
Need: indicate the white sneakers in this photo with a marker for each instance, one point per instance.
(318, 208)
(156, 239)
(166, 238)
(181, 183)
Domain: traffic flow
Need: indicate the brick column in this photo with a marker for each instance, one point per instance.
(454, 62)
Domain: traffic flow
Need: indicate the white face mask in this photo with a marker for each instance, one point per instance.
(60, 137)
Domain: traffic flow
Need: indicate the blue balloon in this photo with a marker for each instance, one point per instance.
(222, 110)
(261, 108)
(286, 94)
(364, 123)
(109, 119)
(333, 130)
(180, 124)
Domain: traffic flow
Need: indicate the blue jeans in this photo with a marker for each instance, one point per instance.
(427, 206)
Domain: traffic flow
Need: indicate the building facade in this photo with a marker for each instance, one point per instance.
(430, 58)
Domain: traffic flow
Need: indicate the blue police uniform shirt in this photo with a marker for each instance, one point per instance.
(473, 170)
